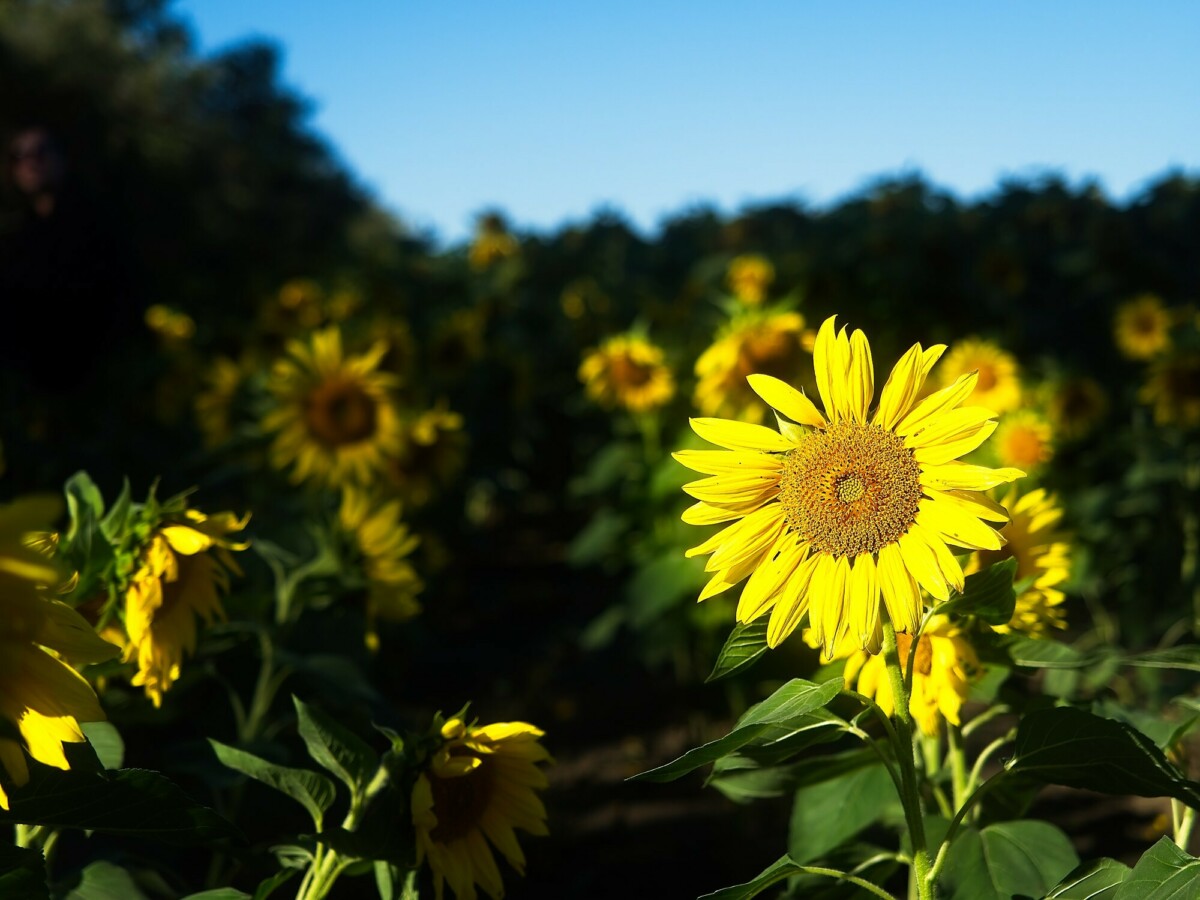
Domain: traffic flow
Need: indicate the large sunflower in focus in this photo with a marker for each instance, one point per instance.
(182, 570)
(839, 513)
(766, 343)
(999, 384)
(335, 422)
(627, 371)
(478, 788)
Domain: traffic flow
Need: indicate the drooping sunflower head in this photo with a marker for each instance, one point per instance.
(432, 454)
(1024, 440)
(476, 790)
(335, 421)
(1043, 555)
(1142, 327)
(627, 371)
(1076, 406)
(1172, 389)
(181, 571)
(756, 342)
(999, 384)
(749, 277)
(841, 514)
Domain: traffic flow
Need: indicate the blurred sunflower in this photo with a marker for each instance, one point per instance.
(477, 789)
(335, 422)
(214, 403)
(42, 699)
(757, 342)
(627, 371)
(1172, 388)
(385, 543)
(749, 277)
(1043, 556)
(297, 306)
(834, 513)
(1142, 327)
(1024, 440)
(172, 326)
(1076, 406)
(431, 455)
(181, 571)
(999, 387)
(492, 243)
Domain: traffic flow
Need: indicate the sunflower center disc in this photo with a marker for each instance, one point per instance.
(628, 373)
(340, 413)
(460, 803)
(850, 489)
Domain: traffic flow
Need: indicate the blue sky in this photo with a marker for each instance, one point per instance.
(549, 111)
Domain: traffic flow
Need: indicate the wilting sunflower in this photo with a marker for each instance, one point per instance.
(627, 371)
(181, 571)
(1043, 556)
(838, 511)
(1142, 327)
(1024, 440)
(480, 786)
(42, 699)
(999, 385)
(1076, 406)
(335, 422)
(385, 544)
(433, 452)
(1172, 388)
(768, 343)
(749, 277)
(943, 669)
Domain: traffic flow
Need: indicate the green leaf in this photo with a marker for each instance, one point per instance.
(1024, 857)
(1038, 653)
(1077, 749)
(830, 812)
(105, 881)
(132, 802)
(781, 869)
(106, 741)
(1097, 880)
(745, 644)
(1163, 873)
(226, 893)
(267, 886)
(1187, 657)
(114, 522)
(85, 504)
(337, 749)
(598, 538)
(987, 595)
(311, 790)
(792, 701)
(22, 873)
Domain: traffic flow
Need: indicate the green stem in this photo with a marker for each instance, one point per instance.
(1183, 833)
(910, 795)
(327, 866)
(958, 763)
(975, 797)
(846, 876)
(977, 769)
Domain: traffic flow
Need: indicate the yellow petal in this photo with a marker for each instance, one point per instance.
(793, 602)
(961, 476)
(769, 579)
(741, 435)
(900, 593)
(941, 401)
(824, 365)
(721, 462)
(919, 560)
(864, 599)
(955, 524)
(860, 385)
(782, 396)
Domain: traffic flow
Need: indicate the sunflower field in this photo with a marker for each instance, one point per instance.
(850, 552)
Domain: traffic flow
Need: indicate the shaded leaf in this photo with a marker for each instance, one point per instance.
(334, 747)
(987, 595)
(828, 813)
(1163, 873)
(105, 881)
(106, 741)
(311, 790)
(1039, 653)
(1007, 859)
(22, 873)
(778, 871)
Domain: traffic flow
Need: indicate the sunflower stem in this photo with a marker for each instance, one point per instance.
(910, 794)
(958, 763)
(1183, 833)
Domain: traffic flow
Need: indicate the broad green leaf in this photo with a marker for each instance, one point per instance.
(1075, 748)
(773, 874)
(745, 644)
(1186, 657)
(782, 743)
(334, 747)
(702, 755)
(132, 802)
(987, 595)
(1163, 873)
(105, 881)
(1096, 880)
(106, 741)
(1024, 857)
(22, 873)
(310, 789)
(826, 814)
(1046, 654)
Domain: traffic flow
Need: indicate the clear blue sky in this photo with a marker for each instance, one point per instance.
(549, 110)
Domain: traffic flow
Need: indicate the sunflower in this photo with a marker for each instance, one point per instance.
(335, 420)
(1025, 440)
(1172, 388)
(1043, 556)
(492, 243)
(385, 544)
(172, 326)
(1076, 406)
(839, 511)
(769, 343)
(432, 453)
(214, 404)
(181, 570)
(42, 699)
(478, 787)
(999, 385)
(1142, 327)
(627, 371)
(749, 277)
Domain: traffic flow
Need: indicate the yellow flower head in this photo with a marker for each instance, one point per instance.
(480, 786)
(767, 343)
(41, 697)
(171, 325)
(749, 277)
(385, 544)
(1142, 327)
(1024, 440)
(999, 385)
(839, 514)
(1076, 406)
(214, 404)
(335, 421)
(1172, 388)
(432, 454)
(1043, 556)
(492, 243)
(181, 571)
(627, 371)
